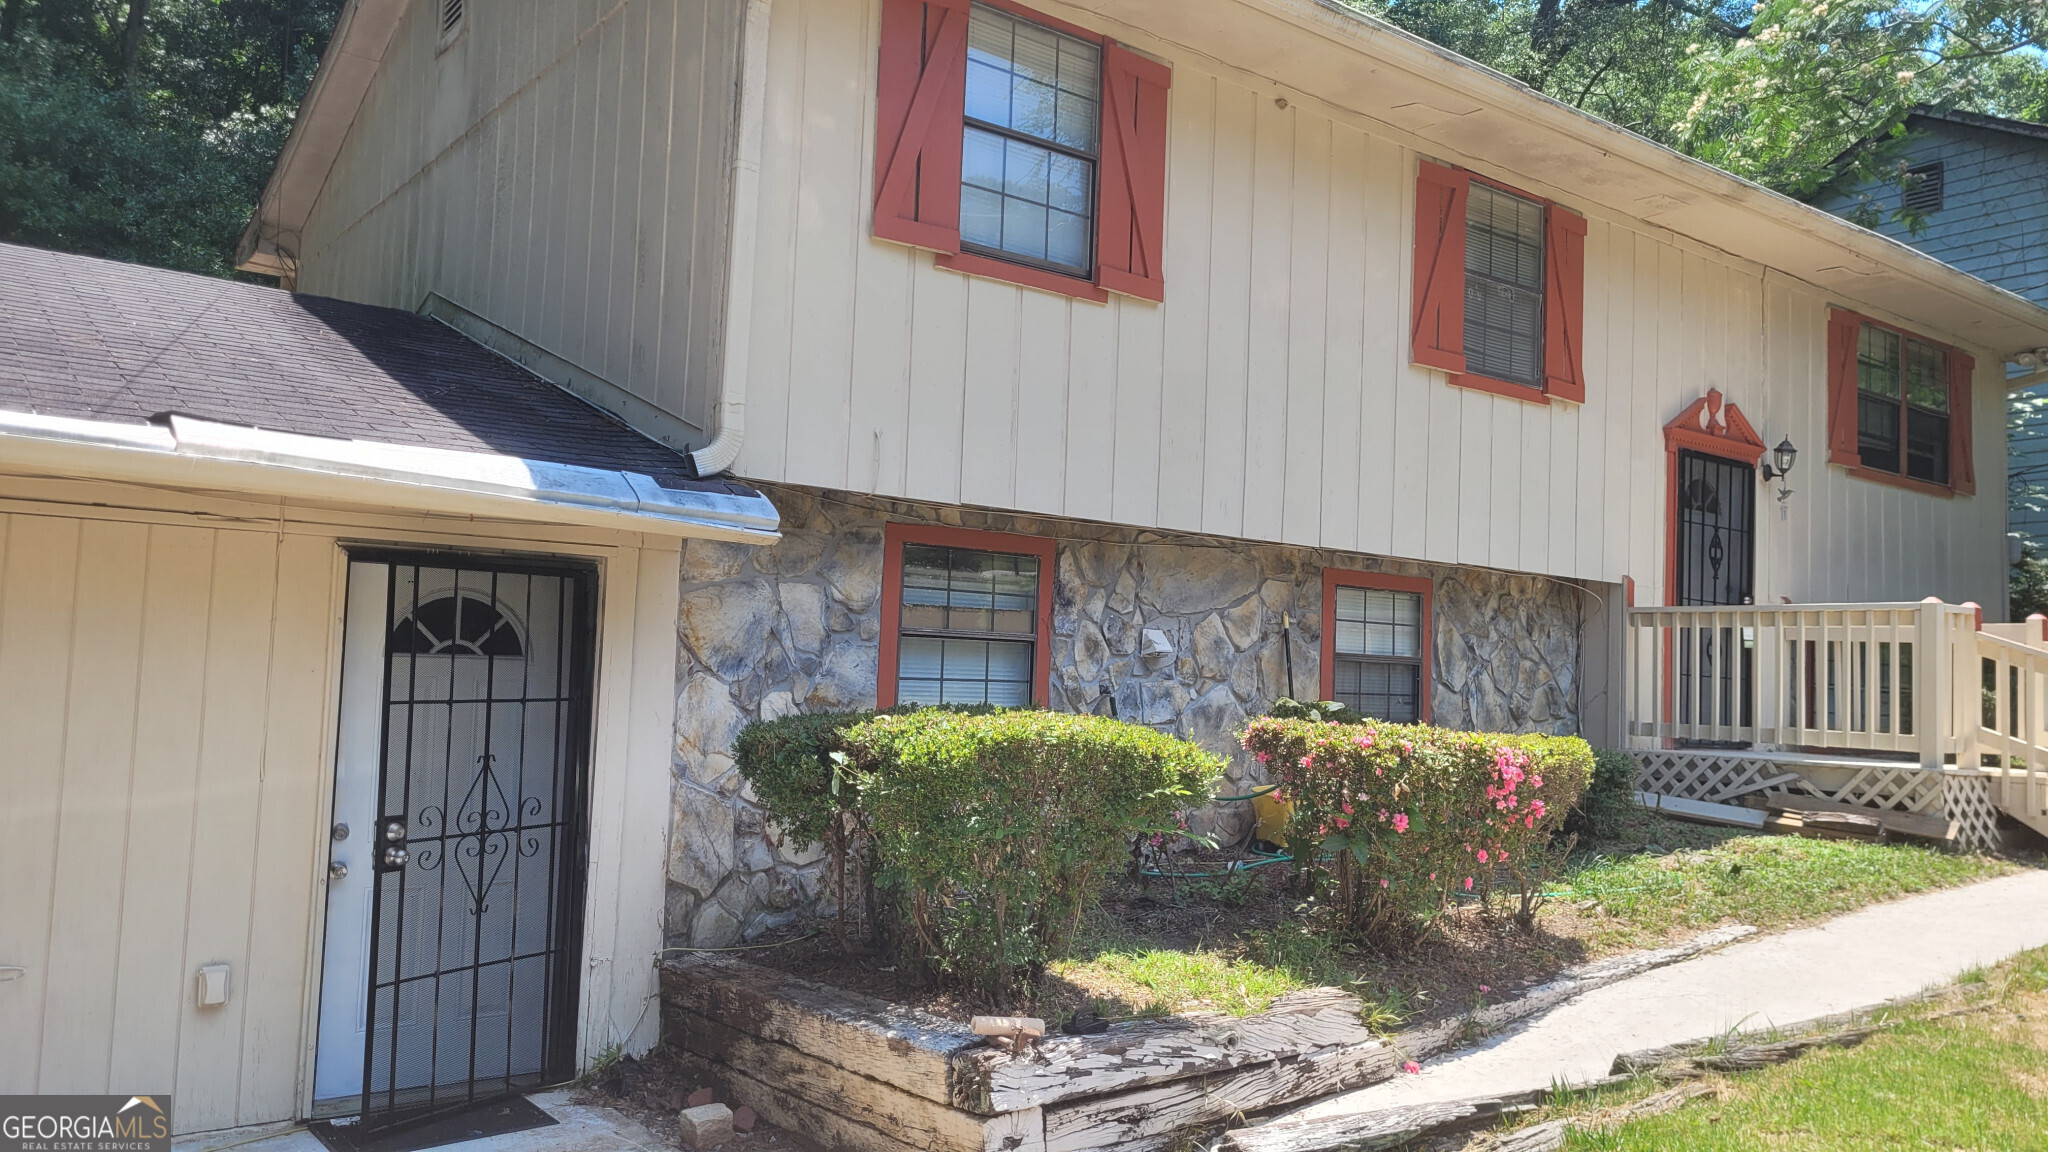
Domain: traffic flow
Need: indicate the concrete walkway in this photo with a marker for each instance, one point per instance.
(1854, 961)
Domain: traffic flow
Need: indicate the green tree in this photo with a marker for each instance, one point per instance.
(144, 129)
(1794, 94)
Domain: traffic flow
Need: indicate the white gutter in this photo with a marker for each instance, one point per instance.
(201, 454)
(724, 448)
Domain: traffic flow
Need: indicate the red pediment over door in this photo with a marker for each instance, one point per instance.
(1710, 426)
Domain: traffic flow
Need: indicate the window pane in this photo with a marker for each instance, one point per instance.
(981, 216)
(1504, 285)
(964, 590)
(1067, 182)
(1877, 433)
(981, 159)
(1386, 690)
(1926, 376)
(1377, 622)
(1877, 361)
(920, 657)
(1023, 228)
(1927, 446)
(1025, 167)
(1032, 79)
(1066, 239)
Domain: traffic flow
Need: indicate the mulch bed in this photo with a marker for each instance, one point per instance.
(1440, 978)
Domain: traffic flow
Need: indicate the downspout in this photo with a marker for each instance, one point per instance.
(724, 448)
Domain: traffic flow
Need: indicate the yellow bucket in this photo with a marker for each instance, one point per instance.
(1272, 816)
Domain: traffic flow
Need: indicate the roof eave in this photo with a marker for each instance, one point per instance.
(202, 454)
(362, 35)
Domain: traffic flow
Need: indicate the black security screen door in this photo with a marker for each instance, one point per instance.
(1715, 514)
(476, 928)
(1716, 530)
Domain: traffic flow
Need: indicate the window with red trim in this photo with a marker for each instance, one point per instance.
(1499, 287)
(966, 617)
(1021, 147)
(1376, 644)
(1898, 405)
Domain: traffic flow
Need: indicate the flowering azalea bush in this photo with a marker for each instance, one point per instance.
(1400, 817)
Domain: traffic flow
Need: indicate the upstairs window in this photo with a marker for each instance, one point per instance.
(1376, 631)
(1504, 286)
(1027, 169)
(966, 618)
(1021, 147)
(1899, 405)
(1500, 286)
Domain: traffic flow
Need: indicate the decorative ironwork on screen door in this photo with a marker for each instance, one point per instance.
(476, 928)
(1716, 564)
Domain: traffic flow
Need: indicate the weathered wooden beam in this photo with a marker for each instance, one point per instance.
(1920, 825)
(903, 1047)
(1364, 1131)
(823, 1126)
(1151, 1116)
(902, 1116)
(1129, 1056)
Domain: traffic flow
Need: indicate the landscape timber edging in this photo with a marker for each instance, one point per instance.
(870, 1075)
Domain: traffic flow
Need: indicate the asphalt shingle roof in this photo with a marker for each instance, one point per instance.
(101, 340)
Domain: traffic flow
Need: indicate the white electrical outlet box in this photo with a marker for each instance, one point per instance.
(212, 985)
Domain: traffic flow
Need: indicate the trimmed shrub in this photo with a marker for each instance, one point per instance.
(1599, 813)
(992, 834)
(1400, 817)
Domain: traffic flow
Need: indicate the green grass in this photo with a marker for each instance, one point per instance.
(1264, 967)
(1977, 1081)
(1768, 881)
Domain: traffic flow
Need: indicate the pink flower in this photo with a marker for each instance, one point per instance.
(1536, 808)
(1383, 883)
(1412, 1068)
(1503, 857)
(1343, 823)
(1406, 747)
(1468, 883)
(1347, 807)
(1364, 741)
(1484, 988)
(1482, 855)
(1432, 877)
(1308, 762)
(1529, 821)
(1265, 757)
(1400, 821)
(1383, 815)
(1536, 781)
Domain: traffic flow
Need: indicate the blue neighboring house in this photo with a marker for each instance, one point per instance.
(1980, 186)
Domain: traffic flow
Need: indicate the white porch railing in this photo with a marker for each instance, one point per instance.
(1923, 679)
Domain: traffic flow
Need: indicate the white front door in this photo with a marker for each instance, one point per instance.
(345, 974)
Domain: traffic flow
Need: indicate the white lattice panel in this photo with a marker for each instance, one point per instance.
(1969, 803)
(1723, 776)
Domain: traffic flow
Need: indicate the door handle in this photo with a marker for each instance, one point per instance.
(336, 870)
(11, 972)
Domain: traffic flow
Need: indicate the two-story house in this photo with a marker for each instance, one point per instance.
(1140, 357)
(1972, 190)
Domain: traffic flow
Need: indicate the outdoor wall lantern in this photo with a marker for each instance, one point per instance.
(1785, 455)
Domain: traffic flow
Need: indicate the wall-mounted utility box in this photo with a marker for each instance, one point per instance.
(211, 985)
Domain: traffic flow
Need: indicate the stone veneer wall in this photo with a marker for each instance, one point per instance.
(793, 627)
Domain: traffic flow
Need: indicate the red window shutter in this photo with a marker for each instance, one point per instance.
(1962, 469)
(1438, 337)
(1564, 304)
(919, 100)
(1843, 330)
(1131, 218)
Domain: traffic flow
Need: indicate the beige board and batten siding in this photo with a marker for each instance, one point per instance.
(167, 695)
(562, 171)
(1270, 396)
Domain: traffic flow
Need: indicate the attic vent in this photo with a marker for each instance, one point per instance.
(451, 23)
(1923, 186)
